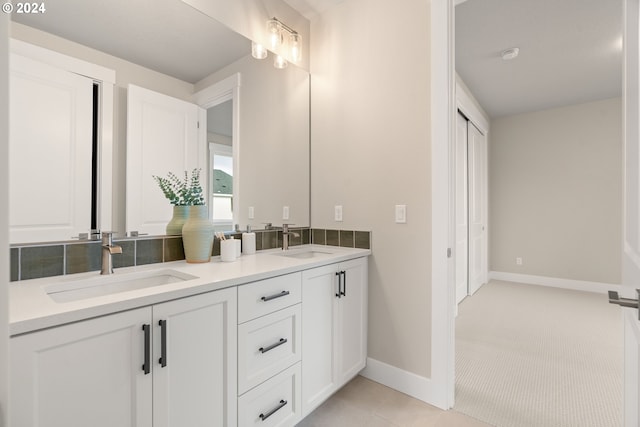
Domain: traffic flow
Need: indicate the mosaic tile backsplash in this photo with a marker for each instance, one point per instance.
(32, 261)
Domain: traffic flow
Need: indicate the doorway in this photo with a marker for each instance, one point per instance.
(516, 260)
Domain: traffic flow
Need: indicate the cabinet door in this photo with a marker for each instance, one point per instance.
(51, 136)
(319, 369)
(162, 136)
(195, 376)
(352, 331)
(83, 374)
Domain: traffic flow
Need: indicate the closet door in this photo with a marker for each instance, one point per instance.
(477, 166)
(163, 135)
(51, 134)
(461, 209)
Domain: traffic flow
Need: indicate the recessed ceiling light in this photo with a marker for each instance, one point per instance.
(510, 53)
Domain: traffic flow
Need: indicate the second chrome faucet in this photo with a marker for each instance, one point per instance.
(108, 249)
(285, 236)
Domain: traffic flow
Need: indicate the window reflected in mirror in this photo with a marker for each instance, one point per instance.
(220, 138)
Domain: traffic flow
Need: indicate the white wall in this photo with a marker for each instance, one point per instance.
(370, 150)
(4, 217)
(555, 186)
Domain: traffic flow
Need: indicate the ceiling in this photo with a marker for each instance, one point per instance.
(168, 36)
(570, 52)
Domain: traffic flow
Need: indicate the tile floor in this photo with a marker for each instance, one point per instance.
(365, 403)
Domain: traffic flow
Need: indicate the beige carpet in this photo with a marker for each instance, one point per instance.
(532, 356)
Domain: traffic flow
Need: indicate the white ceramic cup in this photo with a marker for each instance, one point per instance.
(228, 250)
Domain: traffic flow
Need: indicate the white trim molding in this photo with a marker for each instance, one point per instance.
(440, 389)
(398, 379)
(556, 282)
(465, 102)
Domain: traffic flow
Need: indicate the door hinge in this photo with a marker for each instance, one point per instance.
(448, 252)
(198, 125)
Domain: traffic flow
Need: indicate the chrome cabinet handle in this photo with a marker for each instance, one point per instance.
(274, 296)
(146, 367)
(274, 410)
(163, 343)
(272, 346)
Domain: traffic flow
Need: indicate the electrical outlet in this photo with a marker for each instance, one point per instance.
(518, 261)
(285, 212)
(251, 214)
(401, 214)
(337, 213)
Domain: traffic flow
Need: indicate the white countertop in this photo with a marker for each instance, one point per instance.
(31, 308)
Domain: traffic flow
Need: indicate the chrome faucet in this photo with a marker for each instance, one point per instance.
(285, 236)
(108, 249)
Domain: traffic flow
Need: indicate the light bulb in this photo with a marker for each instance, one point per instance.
(295, 43)
(258, 51)
(279, 62)
(275, 34)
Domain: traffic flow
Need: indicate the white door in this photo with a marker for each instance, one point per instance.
(477, 149)
(194, 363)
(50, 132)
(461, 209)
(631, 254)
(87, 373)
(163, 135)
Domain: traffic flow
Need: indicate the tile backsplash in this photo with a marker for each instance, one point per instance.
(32, 261)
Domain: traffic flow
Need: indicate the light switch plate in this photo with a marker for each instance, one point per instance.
(285, 212)
(337, 213)
(401, 214)
(251, 214)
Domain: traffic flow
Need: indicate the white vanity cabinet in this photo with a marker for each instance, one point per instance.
(171, 364)
(334, 328)
(194, 361)
(83, 374)
(269, 352)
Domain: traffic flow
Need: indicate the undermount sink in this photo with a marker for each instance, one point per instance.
(106, 285)
(304, 253)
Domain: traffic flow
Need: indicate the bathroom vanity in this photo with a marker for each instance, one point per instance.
(260, 341)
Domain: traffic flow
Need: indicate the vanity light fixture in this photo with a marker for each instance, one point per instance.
(295, 44)
(274, 31)
(258, 51)
(510, 53)
(284, 41)
(279, 62)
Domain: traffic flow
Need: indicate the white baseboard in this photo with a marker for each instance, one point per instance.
(405, 382)
(554, 282)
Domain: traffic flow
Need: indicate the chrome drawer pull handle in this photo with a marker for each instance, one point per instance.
(272, 346)
(274, 296)
(273, 411)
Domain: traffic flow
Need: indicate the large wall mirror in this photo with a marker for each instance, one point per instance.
(261, 163)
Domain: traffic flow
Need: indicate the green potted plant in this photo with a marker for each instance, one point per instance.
(190, 214)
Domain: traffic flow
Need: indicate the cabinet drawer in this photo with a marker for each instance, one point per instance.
(268, 345)
(275, 402)
(266, 296)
